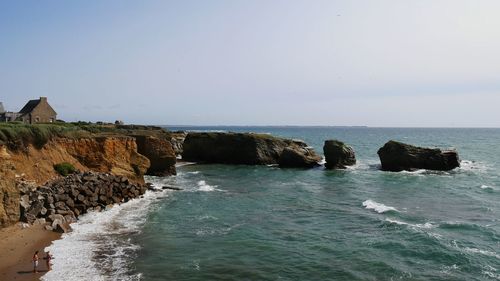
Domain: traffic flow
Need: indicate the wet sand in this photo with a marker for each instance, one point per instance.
(17, 247)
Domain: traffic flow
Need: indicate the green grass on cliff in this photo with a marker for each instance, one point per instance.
(18, 135)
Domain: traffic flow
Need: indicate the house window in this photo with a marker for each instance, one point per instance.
(51, 120)
(37, 119)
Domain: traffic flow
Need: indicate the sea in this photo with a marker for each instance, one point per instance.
(238, 222)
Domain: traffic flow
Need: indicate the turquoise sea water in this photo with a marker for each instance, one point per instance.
(267, 223)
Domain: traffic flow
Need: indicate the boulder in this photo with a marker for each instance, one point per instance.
(33, 212)
(396, 156)
(56, 217)
(244, 148)
(338, 155)
(298, 157)
(25, 202)
(61, 227)
(41, 221)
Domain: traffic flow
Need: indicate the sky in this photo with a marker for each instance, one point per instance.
(398, 63)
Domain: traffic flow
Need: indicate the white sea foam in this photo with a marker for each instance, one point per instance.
(207, 217)
(378, 207)
(482, 252)
(203, 186)
(180, 164)
(445, 269)
(322, 161)
(358, 166)
(97, 248)
(488, 187)
(491, 272)
(426, 225)
(416, 172)
(473, 166)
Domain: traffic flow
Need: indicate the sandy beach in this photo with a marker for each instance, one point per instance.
(17, 246)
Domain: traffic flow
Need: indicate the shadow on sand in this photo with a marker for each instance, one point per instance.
(31, 271)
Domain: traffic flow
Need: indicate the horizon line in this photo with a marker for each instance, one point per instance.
(335, 126)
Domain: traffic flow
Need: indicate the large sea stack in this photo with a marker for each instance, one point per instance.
(338, 155)
(247, 148)
(160, 153)
(396, 156)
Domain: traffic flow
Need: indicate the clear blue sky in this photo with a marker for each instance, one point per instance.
(259, 62)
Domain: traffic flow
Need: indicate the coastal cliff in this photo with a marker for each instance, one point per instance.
(30, 153)
(117, 155)
(9, 195)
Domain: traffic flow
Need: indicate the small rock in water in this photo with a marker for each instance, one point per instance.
(171, 187)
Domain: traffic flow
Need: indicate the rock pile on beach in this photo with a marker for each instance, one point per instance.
(61, 201)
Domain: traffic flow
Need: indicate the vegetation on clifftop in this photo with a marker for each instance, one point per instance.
(18, 135)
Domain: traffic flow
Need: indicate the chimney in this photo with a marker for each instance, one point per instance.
(43, 99)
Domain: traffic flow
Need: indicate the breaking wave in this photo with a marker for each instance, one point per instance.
(378, 207)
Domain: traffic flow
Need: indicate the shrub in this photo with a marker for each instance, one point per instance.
(64, 168)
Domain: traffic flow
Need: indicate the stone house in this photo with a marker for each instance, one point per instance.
(35, 111)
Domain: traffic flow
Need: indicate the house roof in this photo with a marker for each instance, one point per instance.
(29, 106)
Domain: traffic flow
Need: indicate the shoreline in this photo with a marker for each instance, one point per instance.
(17, 247)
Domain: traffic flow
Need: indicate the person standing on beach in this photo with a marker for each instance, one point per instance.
(48, 258)
(35, 262)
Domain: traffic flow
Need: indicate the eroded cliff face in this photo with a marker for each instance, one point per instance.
(9, 195)
(117, 155)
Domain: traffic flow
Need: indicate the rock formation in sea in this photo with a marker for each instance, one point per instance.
(338, 155)
(247, 148)
(396, 156)
(160, 153)
(298, 155)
